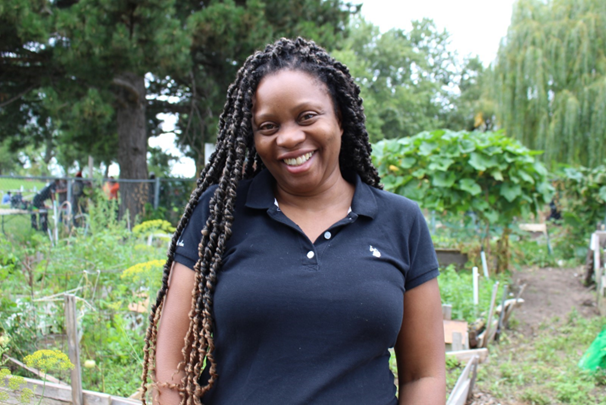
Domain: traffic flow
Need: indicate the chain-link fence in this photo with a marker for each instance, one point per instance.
(68, 197)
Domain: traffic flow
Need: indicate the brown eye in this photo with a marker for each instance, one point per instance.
(268, 126)
(307, 116)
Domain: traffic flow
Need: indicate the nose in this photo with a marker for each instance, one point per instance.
(290, 136)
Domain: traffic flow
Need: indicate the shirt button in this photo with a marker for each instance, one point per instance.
(310, 254)
(327, 235)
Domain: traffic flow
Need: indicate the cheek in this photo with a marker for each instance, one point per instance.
(261, 145)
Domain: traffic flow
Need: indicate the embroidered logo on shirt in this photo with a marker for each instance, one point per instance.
(375, 251)
(180, 242)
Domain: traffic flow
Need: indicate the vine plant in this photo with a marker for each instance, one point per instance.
(487, 173)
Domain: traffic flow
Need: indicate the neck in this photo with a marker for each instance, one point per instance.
(332, 195)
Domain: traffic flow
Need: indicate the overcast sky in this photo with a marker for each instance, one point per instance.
(476, 28)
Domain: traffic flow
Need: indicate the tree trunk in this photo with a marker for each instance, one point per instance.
(503, 253)
(132, 142)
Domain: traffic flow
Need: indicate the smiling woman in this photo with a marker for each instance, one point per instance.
(291, 273)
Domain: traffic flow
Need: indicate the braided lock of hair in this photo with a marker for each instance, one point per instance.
(235, 158)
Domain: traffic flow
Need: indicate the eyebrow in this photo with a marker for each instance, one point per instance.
(299, 106)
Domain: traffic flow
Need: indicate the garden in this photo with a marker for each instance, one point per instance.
(475, 188)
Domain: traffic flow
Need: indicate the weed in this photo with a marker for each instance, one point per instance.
(535, 397)
(545, 372)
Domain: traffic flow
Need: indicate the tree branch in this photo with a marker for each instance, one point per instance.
(127, 86)
(18, 96)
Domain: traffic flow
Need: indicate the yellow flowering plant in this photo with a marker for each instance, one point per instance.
(49, 360)
(155, 225)
(14, 383)
(148, 273)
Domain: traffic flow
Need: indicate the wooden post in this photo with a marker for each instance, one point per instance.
(487, 331)
(447, 312)
(500, 326)
(71, 327)
(457, 341)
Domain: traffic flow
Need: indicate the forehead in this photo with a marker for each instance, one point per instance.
(286, 86)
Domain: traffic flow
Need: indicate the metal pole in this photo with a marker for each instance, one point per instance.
(70, 192)
(157, 193)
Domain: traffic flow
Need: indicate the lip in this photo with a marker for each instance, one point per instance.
(295, 154)
(301, 168)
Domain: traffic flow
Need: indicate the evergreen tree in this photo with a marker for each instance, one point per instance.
(224, 33)
(551, 79)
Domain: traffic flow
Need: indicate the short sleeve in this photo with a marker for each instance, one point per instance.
(423, 260)
(187, 245)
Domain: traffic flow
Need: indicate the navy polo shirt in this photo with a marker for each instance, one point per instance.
(298, 322)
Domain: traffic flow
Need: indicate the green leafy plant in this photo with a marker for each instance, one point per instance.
(456, 289)
(582, 200)
(486, 173)
(14, 383)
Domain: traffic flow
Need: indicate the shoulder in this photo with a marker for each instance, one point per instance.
(241, 192)
(395, 205)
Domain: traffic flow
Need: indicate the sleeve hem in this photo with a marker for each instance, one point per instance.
(186, 261)
(431, 274)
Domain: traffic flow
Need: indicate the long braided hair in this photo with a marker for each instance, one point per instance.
(235, 158)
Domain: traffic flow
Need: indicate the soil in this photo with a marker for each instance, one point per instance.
(549, 292)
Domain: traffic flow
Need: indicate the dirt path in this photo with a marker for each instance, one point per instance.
(549, 292)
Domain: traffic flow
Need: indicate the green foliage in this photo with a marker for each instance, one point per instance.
(14, 383)
(403, 76)
(545, 371)
(582, 200)
(91, 263)
(456, 289)
(487, 173)
(549, 79)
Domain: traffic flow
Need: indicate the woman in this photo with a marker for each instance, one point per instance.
(303, 269)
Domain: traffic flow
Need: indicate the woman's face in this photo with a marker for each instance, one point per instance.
(296, 132)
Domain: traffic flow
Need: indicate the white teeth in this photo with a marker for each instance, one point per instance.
(298, 161)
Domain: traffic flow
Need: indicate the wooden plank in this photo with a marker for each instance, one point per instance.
(459, 397)
(71, 326)
(32, 370)
(451, 326)
(459, 393)
(124, 401)
(466, 355)
(486, 334)
(500, 324)
(62, 394)
(447, 312)
(457, 341)
(537, 228)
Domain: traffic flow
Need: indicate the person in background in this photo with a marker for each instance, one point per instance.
(6, 199)
(114, 188)
(48, 192)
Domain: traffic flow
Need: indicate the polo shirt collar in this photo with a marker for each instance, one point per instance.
(261, 194)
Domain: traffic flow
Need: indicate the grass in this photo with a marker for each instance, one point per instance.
(29, 187)
(8, 184)
(540, 370)
(543, 369)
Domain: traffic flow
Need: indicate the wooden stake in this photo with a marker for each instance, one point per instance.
(71, 326)
(487, 333)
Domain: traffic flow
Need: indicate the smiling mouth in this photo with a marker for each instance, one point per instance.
(299, 160)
